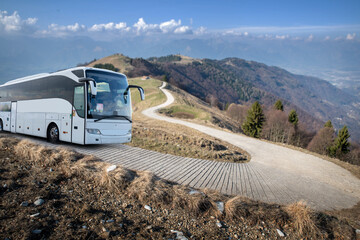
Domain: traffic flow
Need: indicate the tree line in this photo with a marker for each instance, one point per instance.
(277, 126)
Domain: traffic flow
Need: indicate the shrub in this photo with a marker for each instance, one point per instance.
(108, 66)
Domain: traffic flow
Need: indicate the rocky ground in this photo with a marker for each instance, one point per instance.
(54, 194)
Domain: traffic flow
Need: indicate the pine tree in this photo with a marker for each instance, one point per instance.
(254, 121)
(165, 78)
(293, 117)
(279, 106)
(341, 144)
(328, 124)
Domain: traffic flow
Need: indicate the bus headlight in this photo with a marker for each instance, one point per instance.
(93, 131)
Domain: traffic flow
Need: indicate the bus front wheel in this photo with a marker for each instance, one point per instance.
(53, 133)
(1, 126)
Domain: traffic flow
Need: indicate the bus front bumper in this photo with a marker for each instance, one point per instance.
(106, 139)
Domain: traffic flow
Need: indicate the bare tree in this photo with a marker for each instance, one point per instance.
(322, 141)
(237, 112)
(277, 127)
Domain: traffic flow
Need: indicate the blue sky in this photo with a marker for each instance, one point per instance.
(212, 15)
(317, 37)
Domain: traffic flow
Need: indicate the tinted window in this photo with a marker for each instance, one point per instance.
(79, 73)
(47, 87)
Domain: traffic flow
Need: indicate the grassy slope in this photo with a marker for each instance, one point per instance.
(119, 61)
(153, 95)
(173, 139)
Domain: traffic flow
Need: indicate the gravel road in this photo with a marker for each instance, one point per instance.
(288, 173)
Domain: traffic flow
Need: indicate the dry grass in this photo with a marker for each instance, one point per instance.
(240, 208)
(116, 180)
(149, 189)
(302, 218)
(42, 156)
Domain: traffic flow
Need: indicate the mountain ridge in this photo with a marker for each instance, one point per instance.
(235, 80)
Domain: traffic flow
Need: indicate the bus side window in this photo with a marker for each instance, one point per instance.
(79, 101)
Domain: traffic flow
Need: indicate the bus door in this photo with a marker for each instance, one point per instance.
(78, 116)
(13, 117)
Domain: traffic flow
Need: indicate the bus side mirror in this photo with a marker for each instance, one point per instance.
(92, 85)
(142, 93)
(93, 88)
(141, 90)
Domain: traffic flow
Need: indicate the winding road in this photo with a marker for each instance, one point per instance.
(275, 174)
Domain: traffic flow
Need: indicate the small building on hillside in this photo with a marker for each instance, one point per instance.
(145, 78)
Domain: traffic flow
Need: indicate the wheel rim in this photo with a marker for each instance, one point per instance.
(54, 133)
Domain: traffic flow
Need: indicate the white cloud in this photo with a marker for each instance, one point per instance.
(142, 27)
(56, 30)
(14, 23)
(327, 38)
(183, 30)
(109, 27)
(31, 21)
(350, 36)
(69, 28)
(170, 26)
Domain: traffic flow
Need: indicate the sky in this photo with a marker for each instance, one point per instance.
(304, 36)
(261, 15)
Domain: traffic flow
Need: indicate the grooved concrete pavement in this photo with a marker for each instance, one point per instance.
(274, 174)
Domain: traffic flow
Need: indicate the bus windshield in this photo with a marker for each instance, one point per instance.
(111, 100)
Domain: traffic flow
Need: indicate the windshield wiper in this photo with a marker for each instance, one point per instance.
(113, 116)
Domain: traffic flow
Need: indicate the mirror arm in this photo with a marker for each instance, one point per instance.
(87, 80)
(141, 90)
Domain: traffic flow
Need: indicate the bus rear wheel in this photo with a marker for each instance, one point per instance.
(1, 126)
(53, 133)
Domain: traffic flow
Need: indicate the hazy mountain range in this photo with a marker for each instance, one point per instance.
(336, 61)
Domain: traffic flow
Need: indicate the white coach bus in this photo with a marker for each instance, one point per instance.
(79, 105)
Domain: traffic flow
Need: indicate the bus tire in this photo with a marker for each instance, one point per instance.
(53, 133)
(1, 126)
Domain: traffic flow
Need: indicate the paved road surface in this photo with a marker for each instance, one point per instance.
(274, 174)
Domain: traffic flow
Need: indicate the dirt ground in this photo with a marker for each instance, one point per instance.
(82, 201)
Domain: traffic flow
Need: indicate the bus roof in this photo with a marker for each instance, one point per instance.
(66, 72)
